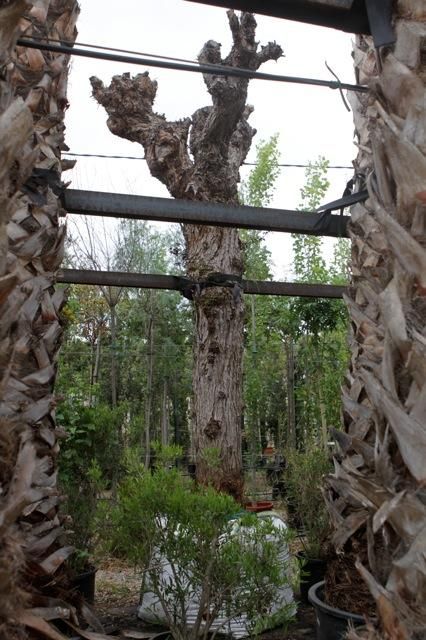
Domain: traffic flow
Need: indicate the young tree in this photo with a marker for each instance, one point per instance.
(315, 336)
(376, 496)
(218, 138)
(263, 355)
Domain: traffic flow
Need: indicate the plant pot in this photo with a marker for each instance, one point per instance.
(258, 506)
(84, 584)
(315, 572)
(332, 623)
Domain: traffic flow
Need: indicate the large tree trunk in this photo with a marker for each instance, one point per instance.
(30, 320)
(219, 141)
(376, 496)
(17, 456)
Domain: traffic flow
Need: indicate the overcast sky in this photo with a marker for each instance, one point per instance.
(311, 121)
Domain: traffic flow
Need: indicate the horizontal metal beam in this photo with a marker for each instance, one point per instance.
(117, 205)
(351, 17)
(174, 283)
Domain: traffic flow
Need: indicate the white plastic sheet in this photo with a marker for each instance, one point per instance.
(151, 610)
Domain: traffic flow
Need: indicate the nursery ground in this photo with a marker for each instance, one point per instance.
(117, 594)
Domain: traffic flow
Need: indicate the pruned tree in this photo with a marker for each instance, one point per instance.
(32, 107)
(198, 158)
(376, 496)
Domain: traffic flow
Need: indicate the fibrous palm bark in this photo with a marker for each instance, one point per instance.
(17, 457)
(219, 138)
(33, 92)
(376, 496)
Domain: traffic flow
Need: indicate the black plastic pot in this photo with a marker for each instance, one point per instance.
(313, 570)
(332, 623)
(84, 584)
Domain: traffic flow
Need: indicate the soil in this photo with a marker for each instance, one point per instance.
(116, 602)
(344, 586)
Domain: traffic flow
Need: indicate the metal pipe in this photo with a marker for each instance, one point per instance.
(218, 70)
(174, 283)
(117, 205)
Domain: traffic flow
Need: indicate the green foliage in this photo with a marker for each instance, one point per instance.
(259, 188)
(309, 264)
(226, 565)
(257, 191)
(318, 325)
(166, 455)
(89, 458)
(263, 354)
(92, 433)
(81, 503)
(303, 476)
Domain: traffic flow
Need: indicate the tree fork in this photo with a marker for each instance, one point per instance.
(219, 137)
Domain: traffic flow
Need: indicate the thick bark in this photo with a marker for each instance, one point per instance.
(376, 496)
(219, 139)
(17, 454)
(30, 316)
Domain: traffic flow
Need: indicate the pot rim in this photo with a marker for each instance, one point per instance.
(301, 555)
(320, 604)
(89, 571)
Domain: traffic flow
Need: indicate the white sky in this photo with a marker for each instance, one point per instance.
(311, 121)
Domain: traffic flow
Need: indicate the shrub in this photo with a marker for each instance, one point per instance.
(228, 566)
(304, 473)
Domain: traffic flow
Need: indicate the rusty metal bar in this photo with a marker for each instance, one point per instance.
(116, 205)
(342, 14)
(174, 283)
(218, 70)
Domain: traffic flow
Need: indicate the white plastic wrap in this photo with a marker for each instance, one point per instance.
(151, 610)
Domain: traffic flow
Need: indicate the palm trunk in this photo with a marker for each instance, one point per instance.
(35, 248)
(17, 453)
(219, 141)
(376, 495)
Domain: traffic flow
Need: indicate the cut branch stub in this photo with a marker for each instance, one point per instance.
(128, 102)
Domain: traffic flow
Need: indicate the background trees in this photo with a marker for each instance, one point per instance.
(294, 350)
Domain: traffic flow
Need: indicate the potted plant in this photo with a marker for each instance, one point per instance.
(80, 506)
(332, 623)
(205, 566)
(303, 476)
(89, 453)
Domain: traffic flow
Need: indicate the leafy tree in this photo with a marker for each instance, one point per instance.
(318, 326)
(264, 400)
